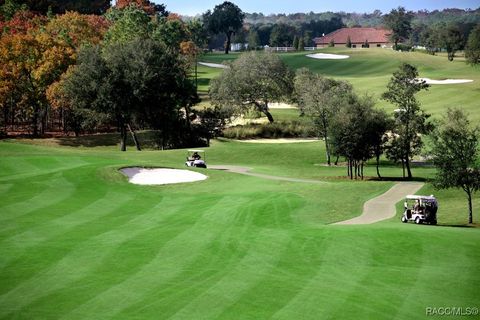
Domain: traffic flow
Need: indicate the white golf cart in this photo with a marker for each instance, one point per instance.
(420, 209)
(194, 159)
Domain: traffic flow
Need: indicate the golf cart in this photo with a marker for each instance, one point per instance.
(194, 159)
(420, 209)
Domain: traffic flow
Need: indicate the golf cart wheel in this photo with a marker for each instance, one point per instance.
(404, 219)
(418, 221)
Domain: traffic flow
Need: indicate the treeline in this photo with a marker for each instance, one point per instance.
(128, 69)
(373, 19)
(446, 30)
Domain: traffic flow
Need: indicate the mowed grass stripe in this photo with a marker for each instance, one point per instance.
(46, 231)
(171, 260)
(56, 190)
(20, 168)
(259, 261)
(82, 260)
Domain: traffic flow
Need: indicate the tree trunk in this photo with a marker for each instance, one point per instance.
(470, 206)
(123, 137)
(361, 170)
(327, 150)
(336, 161)
(227, 45)
(407, 164)
(134, 137)
(378, 166)
(351, 169)
(35, 122)
(264, 109)
(325, 136)
(403, 168)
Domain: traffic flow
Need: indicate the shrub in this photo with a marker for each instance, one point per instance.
(292, 129)
(402, 47)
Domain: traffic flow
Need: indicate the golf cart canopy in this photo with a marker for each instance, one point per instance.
(416, 197)
(196, 150)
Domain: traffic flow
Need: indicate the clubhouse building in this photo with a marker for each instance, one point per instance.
(358, 37)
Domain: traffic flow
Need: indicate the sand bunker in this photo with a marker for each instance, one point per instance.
(145, 176)
(446, 81)
(327, 56)
(213, 65)
(280, 105)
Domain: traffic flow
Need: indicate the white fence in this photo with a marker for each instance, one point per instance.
(286, 49)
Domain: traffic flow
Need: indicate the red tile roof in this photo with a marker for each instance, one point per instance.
(357, 35)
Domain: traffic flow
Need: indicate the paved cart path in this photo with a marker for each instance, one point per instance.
(246, 171)
(383, 206)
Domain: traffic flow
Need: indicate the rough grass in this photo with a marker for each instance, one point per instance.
(78, 241)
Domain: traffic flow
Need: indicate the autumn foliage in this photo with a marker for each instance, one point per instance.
(40, 53)
(145, 5)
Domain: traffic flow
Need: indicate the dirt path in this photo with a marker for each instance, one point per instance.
(383, 206)
(246, 171)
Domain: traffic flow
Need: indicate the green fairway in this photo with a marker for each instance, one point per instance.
(77, 241)
(369, 70)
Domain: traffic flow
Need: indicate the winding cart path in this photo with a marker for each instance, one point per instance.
(246, 171)
(383, 207)
(374, 210)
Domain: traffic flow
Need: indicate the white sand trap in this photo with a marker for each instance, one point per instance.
(145, 176)
(327, 56)
(280, 105)
(282, 140)
(446, 81)
(213, 65)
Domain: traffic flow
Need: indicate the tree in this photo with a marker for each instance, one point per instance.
(212, 122)
(282, 35)
(128, 24)
(452, 40)
(10, 7)
(354, 134)
(295, 42)
(253, 39)
(30, 63)
(320, 99)
(472, 51)
(455, 154)
(133, 82)
(172, 31)
(349, 42)
(74, 29)
(252, 81)
(301, 45)
(226, 18)
(62, 6)
(399, 21)
(410, 120)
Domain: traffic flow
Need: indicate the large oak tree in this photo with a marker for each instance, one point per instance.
(252, 82)
(226, 18)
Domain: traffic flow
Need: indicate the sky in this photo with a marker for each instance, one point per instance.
(189, 7)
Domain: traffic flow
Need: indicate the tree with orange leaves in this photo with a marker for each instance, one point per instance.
(33, 58)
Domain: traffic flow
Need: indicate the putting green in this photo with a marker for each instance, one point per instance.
(77, 241)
